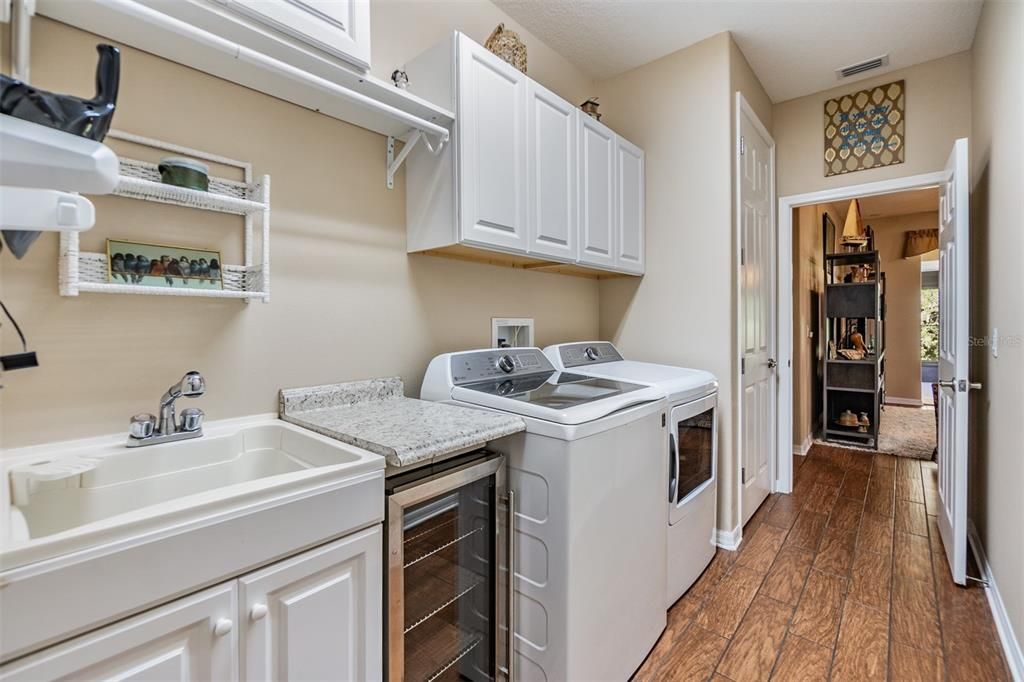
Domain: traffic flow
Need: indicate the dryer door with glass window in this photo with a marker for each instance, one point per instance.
(693, 449)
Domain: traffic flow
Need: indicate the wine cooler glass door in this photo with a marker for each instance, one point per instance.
(444, 605)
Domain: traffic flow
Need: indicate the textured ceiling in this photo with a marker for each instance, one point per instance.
(793, 46)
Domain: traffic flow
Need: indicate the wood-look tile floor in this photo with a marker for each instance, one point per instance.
(845, 579)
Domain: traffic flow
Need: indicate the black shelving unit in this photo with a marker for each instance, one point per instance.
(855, 385)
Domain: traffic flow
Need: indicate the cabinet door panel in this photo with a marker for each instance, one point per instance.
(629, 215)
(338, 27)
(316, 616)
(551, 129)
(492, 149)
(172, 642)
(596, 193)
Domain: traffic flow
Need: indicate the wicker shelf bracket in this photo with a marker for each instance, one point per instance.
(395, 162)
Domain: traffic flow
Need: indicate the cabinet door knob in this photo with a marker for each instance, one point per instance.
(258, 611)
(222, 626)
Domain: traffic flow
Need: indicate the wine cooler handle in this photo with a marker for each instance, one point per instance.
(511, 552)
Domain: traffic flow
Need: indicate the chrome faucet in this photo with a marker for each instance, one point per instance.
(145, 429)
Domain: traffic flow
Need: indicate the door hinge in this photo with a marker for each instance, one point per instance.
(743, 365)
(663, 419)
(743, 256)
(743, 145)
(743, 474)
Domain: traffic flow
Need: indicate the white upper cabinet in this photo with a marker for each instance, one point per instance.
(526, 174)
(189, 639)
(316, 616)
(596, 193)
(338, 27)
(629, 206)
(551, 161)
(492, 151)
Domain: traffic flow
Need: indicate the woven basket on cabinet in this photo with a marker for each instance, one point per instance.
(507, 45)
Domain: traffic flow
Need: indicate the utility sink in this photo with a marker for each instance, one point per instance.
(96, 531)
(91, 488)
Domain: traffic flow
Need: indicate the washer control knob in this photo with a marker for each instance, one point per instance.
(506, 364)
(590, 352)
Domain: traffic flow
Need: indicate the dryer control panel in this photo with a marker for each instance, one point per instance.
(482, 365)
(592, 353)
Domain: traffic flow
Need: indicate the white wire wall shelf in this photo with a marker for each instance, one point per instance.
(86, 272)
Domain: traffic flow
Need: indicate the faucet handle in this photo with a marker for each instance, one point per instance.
(192, 419)
(142, 426)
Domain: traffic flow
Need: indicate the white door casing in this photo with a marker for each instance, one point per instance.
(954, 346)
(551, 131)
(315, 616)
(492, 149)
(755, 207)
(596, 193)
(338, 27)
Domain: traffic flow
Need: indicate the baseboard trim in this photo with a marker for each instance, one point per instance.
(1011, 647)
(908, 402)
(803, 448)
(729, 539)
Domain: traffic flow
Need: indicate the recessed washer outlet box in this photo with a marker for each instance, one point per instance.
(511, 332)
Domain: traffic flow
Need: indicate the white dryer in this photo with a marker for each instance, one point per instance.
(691, 449)
(589, 589)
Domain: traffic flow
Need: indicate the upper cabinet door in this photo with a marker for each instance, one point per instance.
(338, 27)
(316, 616)
(629, 213)
(551, 130)
(492, 149)
(596, 193)
(189, 639)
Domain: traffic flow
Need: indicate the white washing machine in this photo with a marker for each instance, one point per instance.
(589, 563)
(691, 449)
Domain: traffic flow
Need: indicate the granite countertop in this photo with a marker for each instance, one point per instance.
(376, 415)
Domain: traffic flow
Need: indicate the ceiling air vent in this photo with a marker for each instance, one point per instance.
(861, 67)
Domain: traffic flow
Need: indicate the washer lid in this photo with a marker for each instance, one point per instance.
(560, 397)
(677, 382)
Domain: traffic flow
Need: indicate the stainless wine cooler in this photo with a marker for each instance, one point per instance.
(448, 604)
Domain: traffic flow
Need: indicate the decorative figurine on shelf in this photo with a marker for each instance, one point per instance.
(400, 79)
(832, 350)
(590, 108)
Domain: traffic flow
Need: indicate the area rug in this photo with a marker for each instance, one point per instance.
(906, 432)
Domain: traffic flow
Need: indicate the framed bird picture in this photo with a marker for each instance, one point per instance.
(159, 265)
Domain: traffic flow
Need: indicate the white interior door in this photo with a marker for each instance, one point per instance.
(755, 188)
(953, 360)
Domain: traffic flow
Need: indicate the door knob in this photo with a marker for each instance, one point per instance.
(951, 384)
(258, 611)
(772, 364)
(974, 385)
(223, 626)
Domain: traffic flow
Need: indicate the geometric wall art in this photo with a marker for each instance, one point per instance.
(865, 129)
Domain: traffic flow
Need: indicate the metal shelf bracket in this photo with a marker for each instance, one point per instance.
(395, 162)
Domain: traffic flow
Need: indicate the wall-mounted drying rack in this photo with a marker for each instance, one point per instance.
(322, 86)
(83, 272)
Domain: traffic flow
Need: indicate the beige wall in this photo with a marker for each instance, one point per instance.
(903, 302)
(938, 112)
(347, 301)
(997, 298)
(679, 109)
